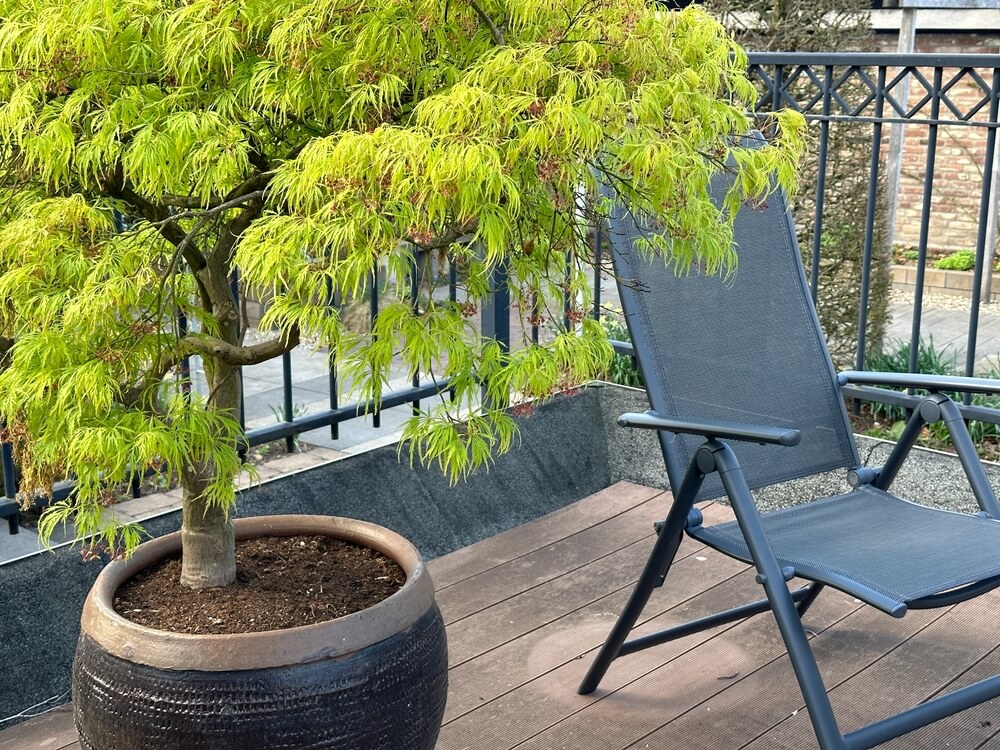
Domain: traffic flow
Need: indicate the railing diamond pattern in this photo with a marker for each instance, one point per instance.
(798, 81)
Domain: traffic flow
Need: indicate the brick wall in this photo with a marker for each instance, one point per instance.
(957, 185)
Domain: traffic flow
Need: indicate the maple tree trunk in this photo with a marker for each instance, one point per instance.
(208, 556)
(208, 547)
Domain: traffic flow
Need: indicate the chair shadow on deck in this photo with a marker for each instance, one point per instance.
(744, 395)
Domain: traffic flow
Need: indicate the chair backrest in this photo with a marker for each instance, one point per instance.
(746, 349)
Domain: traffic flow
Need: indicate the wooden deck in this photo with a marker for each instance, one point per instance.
(527, 608)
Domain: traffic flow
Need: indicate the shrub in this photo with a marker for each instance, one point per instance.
(621, 369)
(931, 361)
(960, 260)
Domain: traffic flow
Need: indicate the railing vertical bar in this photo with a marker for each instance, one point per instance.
(414, 294)
(286, 390)
(567, 291)
(234, 287)
(779, 82)
(373, 310)
(185, 366)
(536, 312)
(453, 297)
(332, 302)
(9, 477)
(824, 141)
(496, 317)
(870, 211)
(925, 221)
(982, 256)
(598, 252)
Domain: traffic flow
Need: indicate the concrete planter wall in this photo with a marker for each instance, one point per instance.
(938, 281)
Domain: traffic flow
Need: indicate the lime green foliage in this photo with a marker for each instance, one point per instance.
(960, 260)
(304, 142)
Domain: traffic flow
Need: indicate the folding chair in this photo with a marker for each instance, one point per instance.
(744, 394)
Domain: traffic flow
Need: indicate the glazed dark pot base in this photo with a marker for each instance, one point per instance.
(387, 696)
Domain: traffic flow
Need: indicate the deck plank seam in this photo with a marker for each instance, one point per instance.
(567, 539)
(589, 651)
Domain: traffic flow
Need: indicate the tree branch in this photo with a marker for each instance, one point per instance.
(496, 33)
(158, 217)
(188, 201)
(235, 355)
(6, 344)
(139, 395)
(222, 252)
(252, 185)
(442, 241)
(209, 212)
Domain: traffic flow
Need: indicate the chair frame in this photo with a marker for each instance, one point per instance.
(715, 455)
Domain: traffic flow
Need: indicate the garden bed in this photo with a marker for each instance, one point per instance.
(944, 273)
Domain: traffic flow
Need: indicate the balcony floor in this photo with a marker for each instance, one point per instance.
(527, 608)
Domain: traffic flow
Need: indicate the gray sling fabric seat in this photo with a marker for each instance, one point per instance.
(743, 394)
(873, 545)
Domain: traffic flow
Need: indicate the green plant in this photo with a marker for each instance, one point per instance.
(960, 260)
(621, 368)
(930, 359)
(933, 361)
(305, 142)
(298, 410)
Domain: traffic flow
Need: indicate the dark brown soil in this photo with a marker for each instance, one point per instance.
(281, 582)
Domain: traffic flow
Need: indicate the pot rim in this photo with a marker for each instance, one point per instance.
(336, 638)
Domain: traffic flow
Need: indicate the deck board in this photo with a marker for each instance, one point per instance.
(52, 730)
(901, 678)
(520, 575)
(528, 608)
(521, 540)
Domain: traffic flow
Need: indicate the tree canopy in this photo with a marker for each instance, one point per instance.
(152, 147)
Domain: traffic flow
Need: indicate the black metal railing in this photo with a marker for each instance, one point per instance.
(904, 101)
(923, 92)
(881, 92)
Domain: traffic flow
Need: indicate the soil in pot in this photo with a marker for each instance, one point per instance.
(281, 582)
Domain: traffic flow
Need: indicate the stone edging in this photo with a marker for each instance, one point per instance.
(939, 281)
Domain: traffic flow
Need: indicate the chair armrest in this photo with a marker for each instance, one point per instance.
(729, 430)
(925, 382)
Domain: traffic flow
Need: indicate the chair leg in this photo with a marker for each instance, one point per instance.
(772, 577)
(656, 569)
(660, 559)
(803, 605)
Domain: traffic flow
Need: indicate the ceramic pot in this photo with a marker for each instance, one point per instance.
(373, 680)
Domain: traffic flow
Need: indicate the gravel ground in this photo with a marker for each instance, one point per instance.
(928, 477)
(942, 302)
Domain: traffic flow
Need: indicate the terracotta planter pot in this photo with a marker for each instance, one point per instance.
(373, 680)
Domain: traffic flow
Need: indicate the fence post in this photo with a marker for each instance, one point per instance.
(496, 313)
(9, 485)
